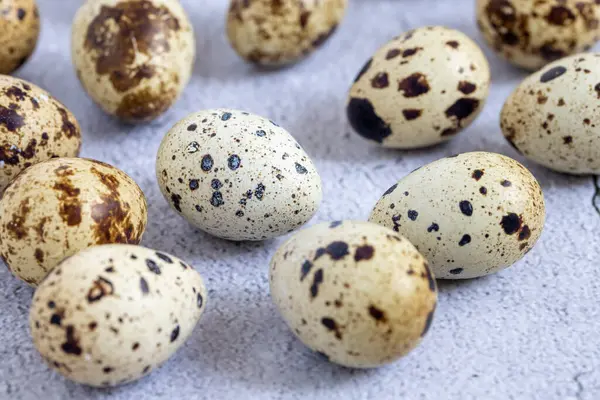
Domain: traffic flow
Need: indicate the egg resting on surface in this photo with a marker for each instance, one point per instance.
(58, 207)
(19, 32)
(356, 292)
(552, 116)
(419, 89)
(34, 127)
(133, 57)
(279, 32)
(237, 175)
(532, 33)
(470, 215)
(112, 314)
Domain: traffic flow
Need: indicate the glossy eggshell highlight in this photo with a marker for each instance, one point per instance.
(237, 175)
(356, 292)
(34, 127)
(19, 32)
(470, 215)
(419, 89)
(133, 57)
(275, 33)
(58, 207)
(533, 33)
(553, 116)
(112, 314)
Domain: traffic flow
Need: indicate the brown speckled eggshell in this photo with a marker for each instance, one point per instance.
(357, 293)
(112, 314)
(274, 33)
(471, 215)
(19, 32)
(34, 127)
(237, 175)
(532, 33)
(553, 116)
(133, 57)
(419, 89)
(58, 207)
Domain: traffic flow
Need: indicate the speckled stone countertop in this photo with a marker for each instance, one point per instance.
(529, 332)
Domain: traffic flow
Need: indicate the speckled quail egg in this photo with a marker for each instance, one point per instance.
(34, 127)
(532, 33)
(111, 314)
(133, 57)
(237, 175)
(274, 33)
(356, 292)
(470, 215)
(58, 207)
(419, 89)
(19, 31)
(552, 116)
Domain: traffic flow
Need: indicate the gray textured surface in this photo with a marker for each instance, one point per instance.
(529, 332)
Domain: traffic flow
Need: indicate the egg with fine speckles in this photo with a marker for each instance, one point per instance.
(237, 175)
(279, 32)
(357, 293)
(34, 127)
(58, 207)
(533, 33)
(419, 89)
(133, 57)
(19, 32)
(470, 215)
(111, 314)
(552, 117)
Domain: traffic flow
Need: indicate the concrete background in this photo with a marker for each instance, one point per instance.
(529, 332)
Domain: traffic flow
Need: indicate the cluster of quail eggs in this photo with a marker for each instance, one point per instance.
(107, 311)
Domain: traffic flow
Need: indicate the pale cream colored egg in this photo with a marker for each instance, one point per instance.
(356, 292)
(19, 32)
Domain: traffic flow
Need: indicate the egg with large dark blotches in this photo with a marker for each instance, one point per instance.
(470, 215)
(357, 293)
(533, 33)
(58, 207)
(19, 32)
(275, 33)
(133, 57)
(237, 175)
(112, 314)
(34, 127)
(552, 117)
(419, 89)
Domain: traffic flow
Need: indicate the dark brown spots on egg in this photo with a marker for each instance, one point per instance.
(336, 250)
(428, 323)
(56, 318)
(466, 207)
(363, 70)
(511, 223)
(304, 15)
(199, 300)
(15, 93)
(393, 53)
(16, 226)
(483, 190)
(414, 85)
(194, 184)
(322, 38)
(429, 276)
(477, 174)
(67, 126)
(21, 13)
(449, 132)
(69, 202)
(433, 228)
(217, 199)
(377, 314)
(525, 233)
(146, 369)
(331, 325)
(306, 267)
(176, 200)
(144, 286)
(456, 271)
(365, 121)
(466, 239)
(466, 87)
(463, 108)
(192, 127)
(412, 215)
(391, 189)
(10, 119)
(364, 252)
(119, 33)
(560, 16)
(380, 81)
(317, 280)
(233, 162)
(506, 183)
(411, 113)
(114, 220)
(567, 139)
(100, 288)
(335, 224)
(71, 344)
(153, 266)
(207, 163)
(452, 43)
(552, 74)
(300, 169)
(145, 104)
(175, 334)
(164, 257)
(411, 52)
(39, 255)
